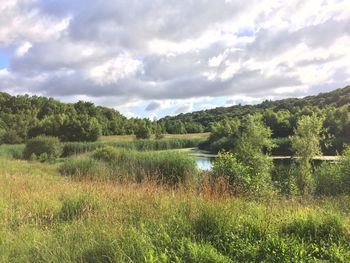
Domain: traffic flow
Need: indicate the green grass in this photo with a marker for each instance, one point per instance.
(73, 148)
(11, 151)
(171, 167)
(49, 218)
(117, 138)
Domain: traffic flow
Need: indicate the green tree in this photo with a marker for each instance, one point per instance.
(143, 131)
(306, 145)
(252, 149)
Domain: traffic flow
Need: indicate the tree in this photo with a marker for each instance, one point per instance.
(143, 132)
(248, 167)
(306, 145)
(159, 131)
(252, 149)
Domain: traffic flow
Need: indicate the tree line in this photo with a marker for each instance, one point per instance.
(25, 117)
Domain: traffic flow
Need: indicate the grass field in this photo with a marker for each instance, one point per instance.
(46, 217)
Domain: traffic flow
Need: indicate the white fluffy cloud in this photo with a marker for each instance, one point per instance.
(119, 52)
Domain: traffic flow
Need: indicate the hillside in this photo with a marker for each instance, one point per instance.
(336, 98)
(23, 117)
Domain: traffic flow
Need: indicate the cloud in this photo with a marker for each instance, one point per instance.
(153, 106)
(184, 108)
(116, 52)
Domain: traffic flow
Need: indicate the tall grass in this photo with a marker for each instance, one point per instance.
(117, 138)
(73, 148)
(54, 219)
(12, 151)
(170, 167)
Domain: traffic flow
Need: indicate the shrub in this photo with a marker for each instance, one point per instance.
(237, 174)
(108, 154)
(328, 179)
(283, 178)
(11, 137)
(143, 132)
(44, 147)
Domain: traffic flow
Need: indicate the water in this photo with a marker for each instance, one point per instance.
(204, 163)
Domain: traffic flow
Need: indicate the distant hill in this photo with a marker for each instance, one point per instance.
(336, 98)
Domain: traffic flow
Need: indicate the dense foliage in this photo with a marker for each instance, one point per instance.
(43, 148)
(24, 117)
(306, 145)
(280, 116)
(248, 168)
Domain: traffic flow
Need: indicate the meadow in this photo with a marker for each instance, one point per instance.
(127, 200)
(46, 217)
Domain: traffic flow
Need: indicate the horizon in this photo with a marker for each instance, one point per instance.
(157, 59)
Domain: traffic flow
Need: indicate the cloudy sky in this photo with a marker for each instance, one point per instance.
(164, 57)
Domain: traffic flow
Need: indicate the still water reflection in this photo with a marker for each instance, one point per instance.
(204, 163)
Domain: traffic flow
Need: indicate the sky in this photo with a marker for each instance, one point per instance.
(151, 58)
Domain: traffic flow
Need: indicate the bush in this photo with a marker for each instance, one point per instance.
(108, 154)
(334, 178)
(143, 132)
(283, 178)
(328, 179)
(237, 174)
(44, 147)
(11, 137)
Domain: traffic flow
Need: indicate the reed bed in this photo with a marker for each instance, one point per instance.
(74, 148)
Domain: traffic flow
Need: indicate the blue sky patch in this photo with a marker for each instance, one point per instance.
(245, 33)
(5, 58)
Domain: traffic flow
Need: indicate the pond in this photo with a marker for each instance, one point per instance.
(204, 163)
